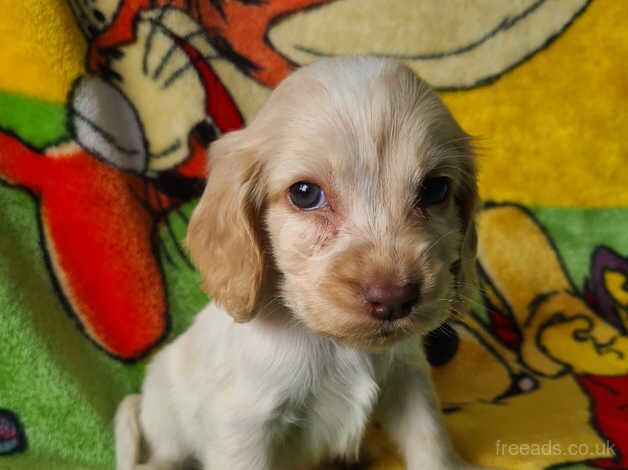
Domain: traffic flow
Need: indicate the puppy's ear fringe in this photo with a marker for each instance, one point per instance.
(224, 234)
(468, 203)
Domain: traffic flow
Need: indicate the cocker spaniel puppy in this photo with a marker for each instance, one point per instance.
(335, 230)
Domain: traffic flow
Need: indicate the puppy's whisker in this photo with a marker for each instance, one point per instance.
(442, 329)
(435, 243)
(469, 300)
(456, 313)
(475, 287)
(471, 303)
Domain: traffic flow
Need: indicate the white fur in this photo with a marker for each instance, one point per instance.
(264, 395)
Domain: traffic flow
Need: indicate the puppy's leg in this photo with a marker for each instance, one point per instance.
(129, 438)
(409, 412)
(165, 448)
(127, 432)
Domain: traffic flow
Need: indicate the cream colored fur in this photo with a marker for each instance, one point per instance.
(294, 380)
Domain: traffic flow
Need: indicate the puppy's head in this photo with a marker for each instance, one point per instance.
(351, 197)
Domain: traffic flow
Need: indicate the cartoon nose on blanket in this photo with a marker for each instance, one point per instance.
(391, 302)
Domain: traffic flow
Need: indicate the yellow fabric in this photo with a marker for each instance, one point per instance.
(47, 49)
(529, 122)
(549, 139)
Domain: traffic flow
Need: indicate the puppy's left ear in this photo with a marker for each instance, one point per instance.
(467, 202)
(224, 234)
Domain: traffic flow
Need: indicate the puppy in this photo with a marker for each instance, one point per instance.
(334, 231)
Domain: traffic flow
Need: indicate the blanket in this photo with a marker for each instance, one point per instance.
(106, 111)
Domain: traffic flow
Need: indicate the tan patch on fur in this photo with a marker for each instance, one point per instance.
(224, 234)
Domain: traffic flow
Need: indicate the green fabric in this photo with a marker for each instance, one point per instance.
(38, 122)
(64, 390)
(578, 231)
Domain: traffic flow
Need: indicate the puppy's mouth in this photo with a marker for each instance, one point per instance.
(382, 335)
(372, 334)
(423, 317)
(392, 330)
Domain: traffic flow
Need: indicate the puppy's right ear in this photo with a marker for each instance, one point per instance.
(224, 231)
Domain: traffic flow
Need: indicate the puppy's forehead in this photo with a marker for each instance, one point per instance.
(363, 123)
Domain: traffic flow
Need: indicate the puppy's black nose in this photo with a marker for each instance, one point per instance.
(392, 302)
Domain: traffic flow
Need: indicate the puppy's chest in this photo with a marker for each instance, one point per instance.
(328, 417)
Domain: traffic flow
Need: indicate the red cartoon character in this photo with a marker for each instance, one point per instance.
(102, 195)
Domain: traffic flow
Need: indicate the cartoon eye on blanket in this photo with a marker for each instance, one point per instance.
(140, 119)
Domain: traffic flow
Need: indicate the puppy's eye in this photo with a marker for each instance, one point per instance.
(433, 191)
(307, 196)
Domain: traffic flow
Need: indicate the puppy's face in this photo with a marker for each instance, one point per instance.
(356, 188)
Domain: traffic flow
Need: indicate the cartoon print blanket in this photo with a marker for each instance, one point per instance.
(107, 108)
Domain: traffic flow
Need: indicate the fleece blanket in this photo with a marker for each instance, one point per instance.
(107, 108)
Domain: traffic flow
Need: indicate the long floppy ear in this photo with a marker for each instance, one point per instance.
(466, 277)
(469, 242)
(224, 232)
